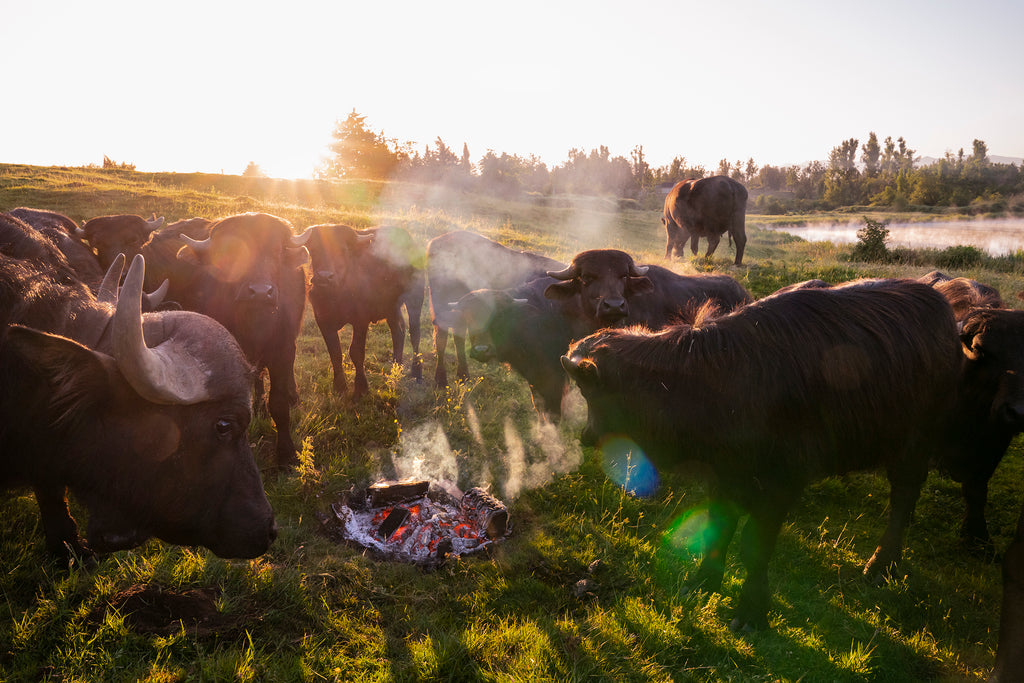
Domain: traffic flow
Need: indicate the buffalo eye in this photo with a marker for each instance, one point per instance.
(225, 428)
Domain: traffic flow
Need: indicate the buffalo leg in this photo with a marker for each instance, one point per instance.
(1010, 652)
(357, 352)
(281, 372)
(333, 344)
(60, 529)
(694, 243)
(904, 490)
(713, 240)
(740, 237)
(396, 325)
(440, 345)
(974, 528)
(414, 339)
(723, 518)
(757, 545)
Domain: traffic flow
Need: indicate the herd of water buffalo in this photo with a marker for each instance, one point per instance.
(134, 390)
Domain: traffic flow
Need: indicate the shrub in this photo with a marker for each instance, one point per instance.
(871, 242)
(959, 257)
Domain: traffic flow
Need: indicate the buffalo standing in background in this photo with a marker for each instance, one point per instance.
(249, 276)
(779, 393)
(604, 287)
(705, 207)
(360, 277)
(531, 326)
(143, 417)
(459, 262)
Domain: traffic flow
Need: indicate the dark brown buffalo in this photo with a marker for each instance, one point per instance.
(459, 262)
(705, 207)
(1010, 652)
(250, 277)
(990, 411)
(531, 326)
(63, 233)
(963, 293)
(607, 288)
(144, 418)
(777, 394)
(360, 277)
(118, 234)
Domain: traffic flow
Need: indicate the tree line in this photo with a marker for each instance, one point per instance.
(885, 174)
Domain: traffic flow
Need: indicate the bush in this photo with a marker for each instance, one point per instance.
(959, 257)
(871, 242)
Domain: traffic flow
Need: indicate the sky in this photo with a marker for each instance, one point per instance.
(211, 86)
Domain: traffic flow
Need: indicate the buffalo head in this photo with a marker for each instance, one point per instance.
(602, 280)
(117, 234)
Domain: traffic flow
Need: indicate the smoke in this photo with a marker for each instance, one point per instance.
(527, 459)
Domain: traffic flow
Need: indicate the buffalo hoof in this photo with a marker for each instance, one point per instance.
(741, 627)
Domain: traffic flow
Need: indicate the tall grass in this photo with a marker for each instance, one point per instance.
(588, 586)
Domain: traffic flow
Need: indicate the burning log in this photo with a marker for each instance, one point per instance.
(411, 522)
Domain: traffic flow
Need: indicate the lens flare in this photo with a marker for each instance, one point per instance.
(626, 464)
(692, 532)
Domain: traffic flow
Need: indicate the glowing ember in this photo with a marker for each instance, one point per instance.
(423, 529)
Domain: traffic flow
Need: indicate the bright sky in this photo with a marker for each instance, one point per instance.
(210, 86)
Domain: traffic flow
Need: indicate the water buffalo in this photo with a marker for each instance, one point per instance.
(118, 234)
(144, 418)
(459, 262)
(63, 233)
(963, 293)
(251, 278)
(531, 326)
(360, 277)
(607, 288)
(705, 207)
(777, 394)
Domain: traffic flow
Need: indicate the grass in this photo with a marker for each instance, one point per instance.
(589, 586)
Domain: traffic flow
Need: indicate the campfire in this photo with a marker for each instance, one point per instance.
(413, 521)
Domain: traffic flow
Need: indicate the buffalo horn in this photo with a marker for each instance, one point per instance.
(154, 222)
(637, 271)
(567, 274)
(157, 296)
(300, 240)
(163, 374)
(198, 246)
(107, 292)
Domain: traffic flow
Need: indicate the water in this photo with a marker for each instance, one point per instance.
(996, 236)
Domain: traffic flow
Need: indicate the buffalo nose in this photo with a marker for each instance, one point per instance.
(261, 292)
(612, 309)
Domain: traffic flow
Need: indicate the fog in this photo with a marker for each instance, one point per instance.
(996, 236)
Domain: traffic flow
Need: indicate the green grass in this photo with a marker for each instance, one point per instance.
(313, 609)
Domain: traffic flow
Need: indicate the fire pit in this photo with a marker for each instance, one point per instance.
(414, 522)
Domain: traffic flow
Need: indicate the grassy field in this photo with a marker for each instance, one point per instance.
(588, 585)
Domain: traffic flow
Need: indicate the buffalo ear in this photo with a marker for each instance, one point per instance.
(582, 371)
(189, 255)
(562, 290)
(77, 377)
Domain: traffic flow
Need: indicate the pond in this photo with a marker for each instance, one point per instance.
(996, 236)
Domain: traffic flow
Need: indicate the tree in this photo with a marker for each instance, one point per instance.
(253, 170)
(359, 152)
(870, 154)
(980, 154)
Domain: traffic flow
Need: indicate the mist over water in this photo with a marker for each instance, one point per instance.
(996, 236)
